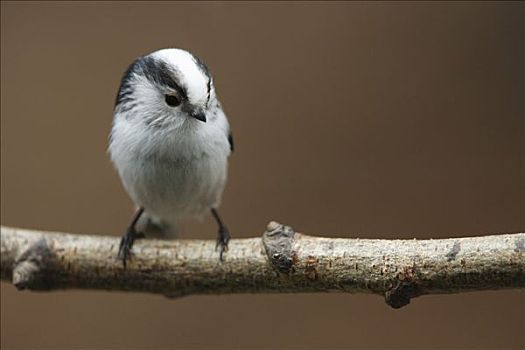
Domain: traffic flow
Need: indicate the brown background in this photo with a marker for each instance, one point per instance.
(351, 119)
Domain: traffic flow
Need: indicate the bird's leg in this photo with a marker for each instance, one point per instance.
(223, 234)
(124, 250)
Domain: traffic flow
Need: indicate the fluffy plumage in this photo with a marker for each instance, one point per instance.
(171, 163)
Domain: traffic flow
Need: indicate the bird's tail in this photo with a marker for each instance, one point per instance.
(155, 228)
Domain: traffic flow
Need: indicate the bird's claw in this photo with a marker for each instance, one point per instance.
(222, 241)
(126, 243)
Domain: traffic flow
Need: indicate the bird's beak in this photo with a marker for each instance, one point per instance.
(199, 115)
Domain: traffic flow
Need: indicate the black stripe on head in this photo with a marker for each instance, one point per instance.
(209, 89)
(126, 86)
(204, 69)
(156, 71)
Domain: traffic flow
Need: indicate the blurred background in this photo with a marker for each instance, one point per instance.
(372, 120)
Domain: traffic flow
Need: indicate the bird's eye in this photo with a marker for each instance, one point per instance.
(172, 100)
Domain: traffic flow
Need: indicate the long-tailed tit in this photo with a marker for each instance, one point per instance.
(170, 144)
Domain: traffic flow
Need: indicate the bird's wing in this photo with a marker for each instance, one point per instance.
(230, 140)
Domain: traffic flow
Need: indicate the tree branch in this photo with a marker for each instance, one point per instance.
(282, 261)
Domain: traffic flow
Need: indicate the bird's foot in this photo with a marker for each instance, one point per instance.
(222, 241)
(126, 243)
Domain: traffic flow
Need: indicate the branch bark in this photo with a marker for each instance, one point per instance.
(282, 261)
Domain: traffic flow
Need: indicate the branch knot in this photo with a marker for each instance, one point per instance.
(31, 267)
(277, 242)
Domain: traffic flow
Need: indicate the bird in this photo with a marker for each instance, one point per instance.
(170, 142)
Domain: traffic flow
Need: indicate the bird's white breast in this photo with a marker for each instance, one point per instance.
(172, 173)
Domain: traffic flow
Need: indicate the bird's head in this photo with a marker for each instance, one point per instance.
(166, 87)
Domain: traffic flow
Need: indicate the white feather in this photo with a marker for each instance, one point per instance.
(174, 166)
